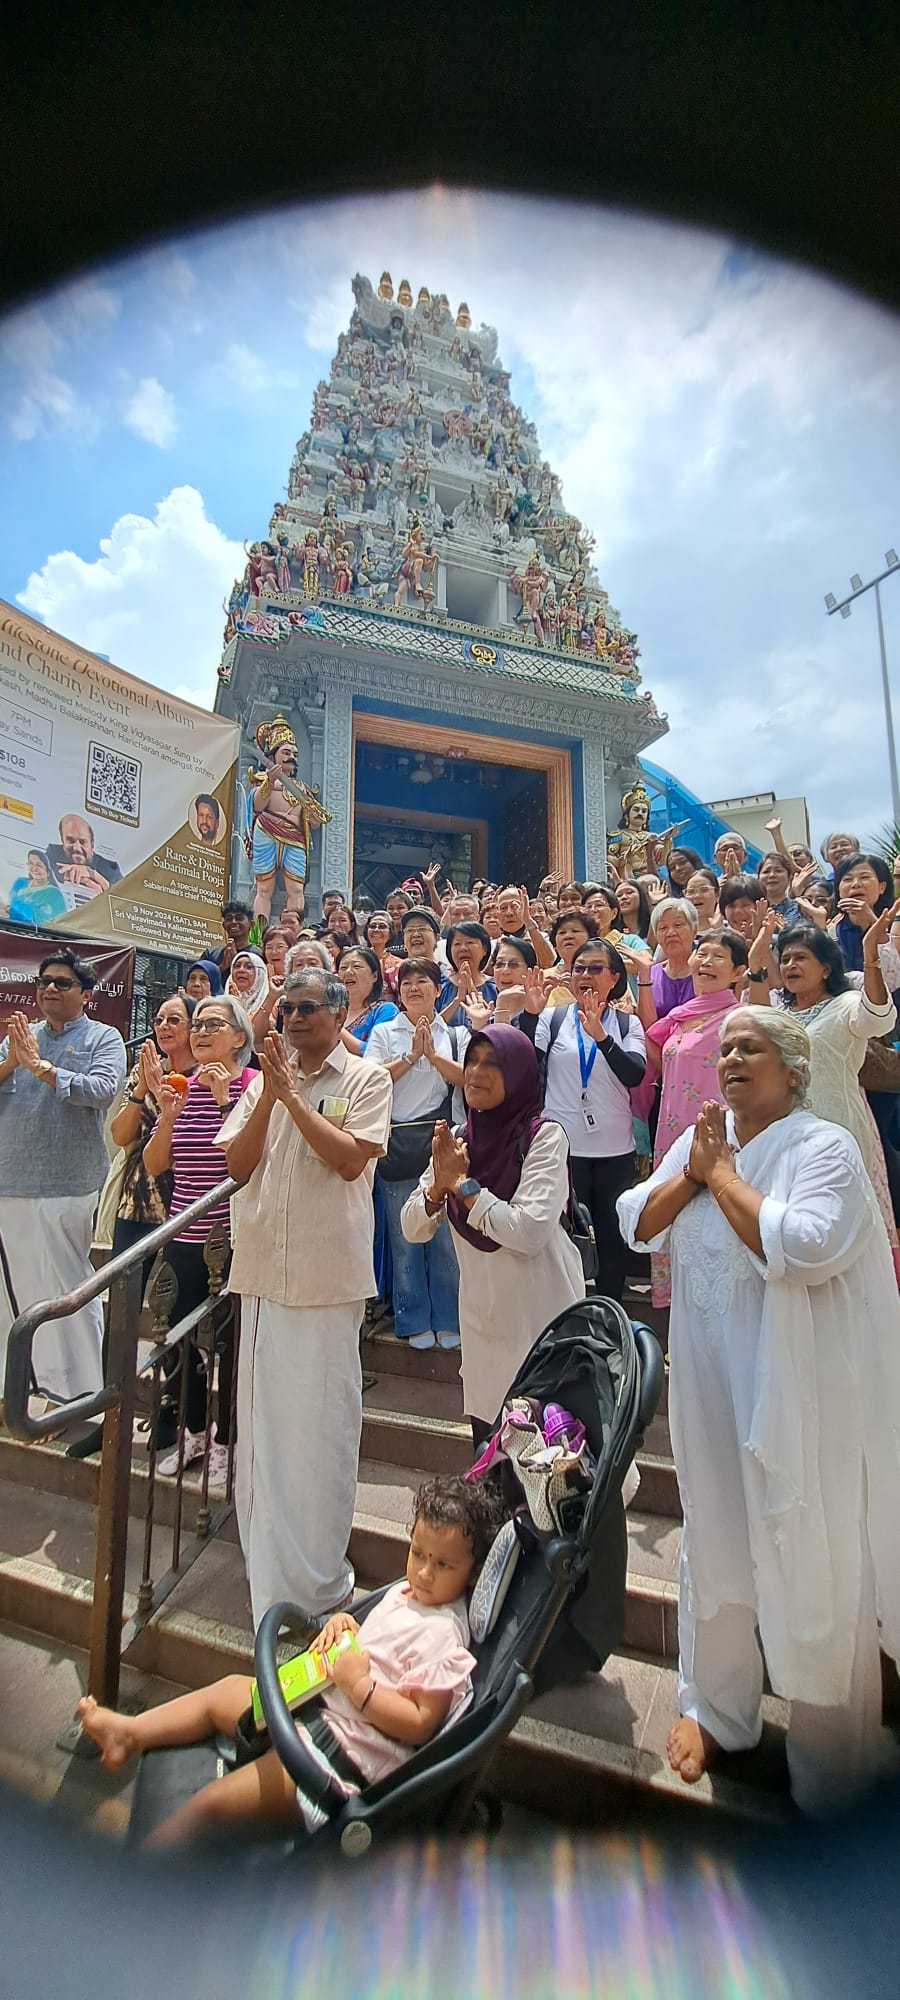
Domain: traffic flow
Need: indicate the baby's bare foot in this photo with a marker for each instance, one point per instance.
(111, 1732)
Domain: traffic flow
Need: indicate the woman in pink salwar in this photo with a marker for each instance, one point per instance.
(685, 1046)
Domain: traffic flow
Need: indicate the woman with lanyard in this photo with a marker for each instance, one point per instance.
(595, 1055)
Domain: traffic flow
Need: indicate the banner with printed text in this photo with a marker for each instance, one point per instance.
(115, 798)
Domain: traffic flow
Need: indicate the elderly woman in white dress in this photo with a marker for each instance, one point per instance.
(505, 1186)
(784, 1400)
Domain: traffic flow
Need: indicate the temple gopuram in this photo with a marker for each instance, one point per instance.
(425, 615)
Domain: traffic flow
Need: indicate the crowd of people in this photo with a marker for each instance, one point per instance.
(415, 1098)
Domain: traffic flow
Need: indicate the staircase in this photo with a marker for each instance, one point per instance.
(582, 1755)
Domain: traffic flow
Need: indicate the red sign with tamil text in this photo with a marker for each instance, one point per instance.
(21, 953)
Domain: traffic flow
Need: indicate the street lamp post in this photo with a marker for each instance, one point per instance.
(858, 589)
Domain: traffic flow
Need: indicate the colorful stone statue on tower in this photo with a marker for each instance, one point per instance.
(284, 814)
(634, 849)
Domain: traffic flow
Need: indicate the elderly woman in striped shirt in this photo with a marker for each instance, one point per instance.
(182, 1140)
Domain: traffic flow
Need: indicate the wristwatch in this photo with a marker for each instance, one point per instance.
(757, 978)
(44, 1067)
(468, 1187)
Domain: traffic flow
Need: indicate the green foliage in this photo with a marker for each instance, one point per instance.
(886, 843)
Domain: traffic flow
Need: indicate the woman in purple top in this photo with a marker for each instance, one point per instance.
(662, 983)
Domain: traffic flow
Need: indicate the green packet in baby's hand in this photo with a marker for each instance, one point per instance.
(302, 1677)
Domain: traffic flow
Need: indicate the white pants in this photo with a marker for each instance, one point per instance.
(832, 1753)
(299, 1421)
(47, 1243)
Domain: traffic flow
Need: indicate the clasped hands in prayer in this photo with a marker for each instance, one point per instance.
(449, 1160)
(710, 1150)
(23, 1045)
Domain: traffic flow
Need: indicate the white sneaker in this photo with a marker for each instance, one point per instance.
(446, 1340)
(193, 1449)
(421, 1340)
(218, 1468)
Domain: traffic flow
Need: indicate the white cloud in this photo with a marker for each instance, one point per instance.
(151, 413)
(88, 305)
(241, 368)
(152, 599)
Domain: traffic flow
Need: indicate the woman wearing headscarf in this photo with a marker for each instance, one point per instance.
(503, 1182)
(248, 982)
(203, 980)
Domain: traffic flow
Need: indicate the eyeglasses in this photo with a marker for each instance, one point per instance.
(591, 966)
(304, 1007)
(62, 985)
(208, 1025)
(167, 1021)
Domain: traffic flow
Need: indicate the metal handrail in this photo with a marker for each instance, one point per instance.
(17, 1388)
(122, 1278)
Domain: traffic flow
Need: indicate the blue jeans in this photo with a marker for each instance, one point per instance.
(426, 1275)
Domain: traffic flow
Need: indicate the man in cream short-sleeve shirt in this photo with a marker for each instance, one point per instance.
(305, 1136)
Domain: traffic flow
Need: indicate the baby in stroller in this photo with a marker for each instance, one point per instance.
(385, 1697)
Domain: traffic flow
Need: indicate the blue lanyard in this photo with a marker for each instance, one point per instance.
(587, 1061)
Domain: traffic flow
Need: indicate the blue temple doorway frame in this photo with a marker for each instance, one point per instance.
(534, 778)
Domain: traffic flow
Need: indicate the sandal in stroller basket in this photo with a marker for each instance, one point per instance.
(548, 1606)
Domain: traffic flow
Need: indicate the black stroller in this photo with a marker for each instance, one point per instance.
(557, 1613)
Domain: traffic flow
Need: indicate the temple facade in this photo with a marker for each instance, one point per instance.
(425, 614)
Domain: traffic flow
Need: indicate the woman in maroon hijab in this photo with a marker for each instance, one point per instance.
(504, 1181)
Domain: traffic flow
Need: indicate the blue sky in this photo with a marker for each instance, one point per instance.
(728, 426)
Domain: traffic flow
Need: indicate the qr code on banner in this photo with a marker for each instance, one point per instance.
(113, 785)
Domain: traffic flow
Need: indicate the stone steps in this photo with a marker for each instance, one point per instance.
(585, 1754)
(595, 1750)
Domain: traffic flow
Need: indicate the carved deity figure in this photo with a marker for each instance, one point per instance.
(531, 584)
(417, 567)
(500, 494)
(569, 619)
(343, 574)
(260, 567)
(314, 559)
(282, 566)
(634, 848)
(283, 815)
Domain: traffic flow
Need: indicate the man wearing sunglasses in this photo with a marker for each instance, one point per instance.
(305, 1136)
(57, 1080)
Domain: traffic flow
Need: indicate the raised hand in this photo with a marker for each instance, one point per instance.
(533, 986)
(656, 890)
(431, 874)
(635, 961)
(216, 1077)
(590, 1014)
(23, 1043)
(802, 880)
(859, 911)
(760, 955)
(479, 1013)
(773, 826)
(418, 1045)
(449, 1159)
(877, 933)
(278, 1073)
(171, 1102)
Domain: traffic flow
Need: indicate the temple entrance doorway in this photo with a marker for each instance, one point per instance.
(481, 806)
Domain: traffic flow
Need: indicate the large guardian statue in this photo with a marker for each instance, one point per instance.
(283, 816)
